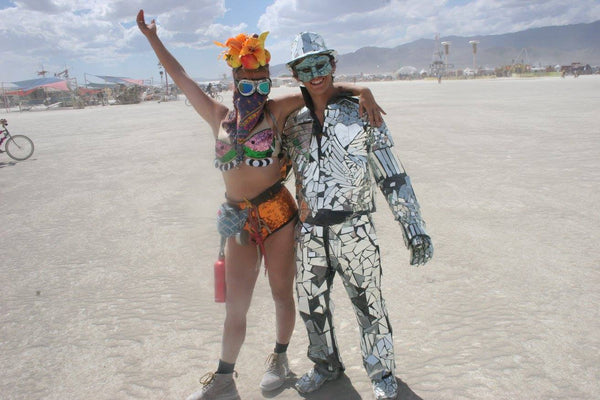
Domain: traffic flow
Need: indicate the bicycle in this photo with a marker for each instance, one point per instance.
(18, 147)
(214, 94)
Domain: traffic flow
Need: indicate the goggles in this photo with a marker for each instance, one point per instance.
(247, 87)
(313, 67)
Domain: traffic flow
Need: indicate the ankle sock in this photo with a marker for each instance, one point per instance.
(280, 348)
(225, 368)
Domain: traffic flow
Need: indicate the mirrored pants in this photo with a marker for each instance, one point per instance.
(351, 250)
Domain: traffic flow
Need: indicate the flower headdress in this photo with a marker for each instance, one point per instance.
(246, 51)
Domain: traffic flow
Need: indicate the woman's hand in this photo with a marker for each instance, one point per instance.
(147, 30)
(367, 105)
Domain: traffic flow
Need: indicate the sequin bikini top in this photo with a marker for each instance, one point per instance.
(259, 147)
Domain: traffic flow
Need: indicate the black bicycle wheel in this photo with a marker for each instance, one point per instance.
(19, 147)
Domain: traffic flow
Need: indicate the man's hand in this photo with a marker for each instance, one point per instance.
(147, 30)
(421, 250)
(367, 105)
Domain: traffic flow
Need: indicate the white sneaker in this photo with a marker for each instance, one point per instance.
(216, 387)
(277, 372)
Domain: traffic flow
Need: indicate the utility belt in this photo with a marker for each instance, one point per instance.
(233, 215)
(331, 217)
(261, 198)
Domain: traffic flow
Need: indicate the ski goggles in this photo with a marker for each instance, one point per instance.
(247, 87)
(313, 67)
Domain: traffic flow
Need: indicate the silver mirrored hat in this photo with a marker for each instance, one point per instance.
(306, 44)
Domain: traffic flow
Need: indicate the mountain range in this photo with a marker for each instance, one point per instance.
(550, 45)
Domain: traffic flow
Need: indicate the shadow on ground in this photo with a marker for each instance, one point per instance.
(341, 388)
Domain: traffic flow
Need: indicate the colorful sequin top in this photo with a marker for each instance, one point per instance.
(259, 148)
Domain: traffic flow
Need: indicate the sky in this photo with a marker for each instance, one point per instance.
(100, 37)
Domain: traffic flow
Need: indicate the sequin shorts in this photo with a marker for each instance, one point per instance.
(269, 211)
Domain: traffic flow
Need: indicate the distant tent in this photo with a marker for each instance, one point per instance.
(94, 85)
(407, 71)
(50, 84)
(87, 91)
(121, 80)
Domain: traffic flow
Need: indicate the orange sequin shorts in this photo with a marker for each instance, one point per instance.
(268, 212)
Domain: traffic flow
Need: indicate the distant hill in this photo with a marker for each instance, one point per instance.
(550, 45)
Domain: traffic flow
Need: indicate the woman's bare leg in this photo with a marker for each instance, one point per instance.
(280, 248)
(240, 275)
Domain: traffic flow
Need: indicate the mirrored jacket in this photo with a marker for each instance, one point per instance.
(337, 164)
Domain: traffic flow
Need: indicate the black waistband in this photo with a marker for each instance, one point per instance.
(330, 217)
(264, 196)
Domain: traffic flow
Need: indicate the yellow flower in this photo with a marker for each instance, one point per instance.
(233, 61)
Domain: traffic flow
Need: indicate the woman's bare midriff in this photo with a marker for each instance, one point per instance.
(248, 182)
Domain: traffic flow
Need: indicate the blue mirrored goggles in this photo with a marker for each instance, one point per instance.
(247, 87)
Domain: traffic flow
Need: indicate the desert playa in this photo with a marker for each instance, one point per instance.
(108, 241)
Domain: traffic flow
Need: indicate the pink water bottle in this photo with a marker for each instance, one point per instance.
(220, 279)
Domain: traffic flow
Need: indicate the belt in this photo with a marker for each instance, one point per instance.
(262, 197)
(331, 217)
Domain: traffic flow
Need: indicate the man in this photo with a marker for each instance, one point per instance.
(336, 155)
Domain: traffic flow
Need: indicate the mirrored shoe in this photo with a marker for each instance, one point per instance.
(276, 373)
(313, 379)
(386, 388)
(216, 387)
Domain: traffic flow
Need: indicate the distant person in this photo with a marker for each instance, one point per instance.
(258, 210)
(337, 158)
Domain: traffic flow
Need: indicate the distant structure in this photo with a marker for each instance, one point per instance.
(474, 43)
(42, 72)
(439, 61)
(161, 72)
(62, 74)
(521, 63)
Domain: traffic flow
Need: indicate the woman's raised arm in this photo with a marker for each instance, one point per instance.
(212, 111)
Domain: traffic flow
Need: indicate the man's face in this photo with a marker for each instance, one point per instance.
(313, 67)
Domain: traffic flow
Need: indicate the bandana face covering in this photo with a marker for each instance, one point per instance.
(313, 67)
(249, 98)
(247, 113)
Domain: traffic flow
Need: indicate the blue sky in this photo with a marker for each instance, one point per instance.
(99, 37)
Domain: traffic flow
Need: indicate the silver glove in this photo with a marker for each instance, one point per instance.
(421, 250)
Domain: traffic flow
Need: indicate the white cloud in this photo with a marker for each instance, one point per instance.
(349, 25)
(103, 32)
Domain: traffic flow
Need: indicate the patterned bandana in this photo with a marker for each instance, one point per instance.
(246, 114)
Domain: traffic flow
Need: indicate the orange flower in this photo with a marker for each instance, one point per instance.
(255, 45)
(232, 56)
(249, 61)
(246, 51)
(236, 43)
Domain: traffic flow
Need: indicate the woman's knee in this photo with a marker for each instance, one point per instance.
(235, 320)
(283, 294)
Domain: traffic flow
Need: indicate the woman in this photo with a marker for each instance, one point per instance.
(248, 155)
